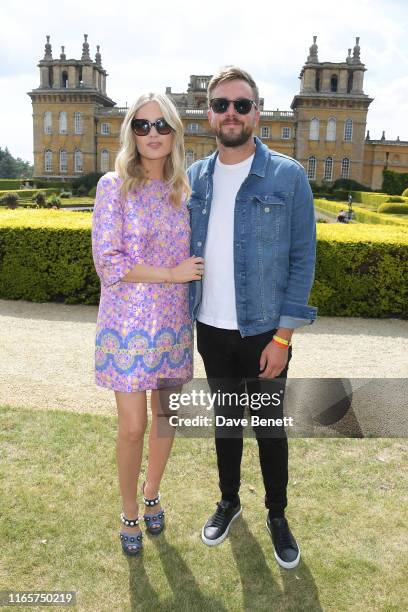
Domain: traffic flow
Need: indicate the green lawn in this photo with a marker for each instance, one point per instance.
(60, 508)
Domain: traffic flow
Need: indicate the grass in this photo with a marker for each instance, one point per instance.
(60, 508)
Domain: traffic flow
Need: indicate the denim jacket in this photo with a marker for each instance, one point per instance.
(274, 240)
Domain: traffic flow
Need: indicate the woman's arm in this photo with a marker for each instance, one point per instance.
(189, 269)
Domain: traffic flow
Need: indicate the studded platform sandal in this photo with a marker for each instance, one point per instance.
(154, 522)
(131, 542)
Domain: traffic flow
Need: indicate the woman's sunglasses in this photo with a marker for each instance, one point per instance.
(142, 127)
(241, 105)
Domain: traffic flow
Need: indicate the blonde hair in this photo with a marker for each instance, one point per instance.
(128, 163)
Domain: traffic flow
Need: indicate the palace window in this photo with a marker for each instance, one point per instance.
(105, 128)
(348, 129)
(345, 168)
(47, 122)
(193, 127)
(331, 129)
(63, 161)
(286, 133)
(333, 83)
(64, 79)
(48, 161)
(78, 161)
(328, 169)
(314, 129)
(105, 160)
(311, 168)
(265, 132)
(189, 157)
(63, 123)
(77, 123)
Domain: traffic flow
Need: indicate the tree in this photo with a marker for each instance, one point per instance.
(11, 167)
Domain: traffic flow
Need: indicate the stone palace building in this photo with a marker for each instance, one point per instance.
(76, 124)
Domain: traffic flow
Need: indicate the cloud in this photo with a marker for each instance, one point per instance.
(145, 49)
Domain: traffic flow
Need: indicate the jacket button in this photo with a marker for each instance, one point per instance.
(266, 209)
(204, 211)
(198, 243)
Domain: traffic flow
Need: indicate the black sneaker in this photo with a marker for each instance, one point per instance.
(216, 528)
(287, 552)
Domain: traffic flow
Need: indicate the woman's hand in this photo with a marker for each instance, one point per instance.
(188, 270)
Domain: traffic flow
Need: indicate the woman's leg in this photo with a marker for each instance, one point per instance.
(160, 443)
(132, 420)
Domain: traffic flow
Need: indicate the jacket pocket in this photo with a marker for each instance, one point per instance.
(268, 214)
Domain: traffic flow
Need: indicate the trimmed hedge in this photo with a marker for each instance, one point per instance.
(362, 270)
(393, 209)
(360, 214)
(372, 199)
(405, 193)
(10, 184)
(25, 194)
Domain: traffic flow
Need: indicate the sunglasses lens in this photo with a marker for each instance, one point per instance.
(163, 127)
(219, 105)
(141, 127)
(243, 106)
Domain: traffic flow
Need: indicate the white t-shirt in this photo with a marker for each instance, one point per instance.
(217, 306)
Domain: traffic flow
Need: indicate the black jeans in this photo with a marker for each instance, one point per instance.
(231, 362)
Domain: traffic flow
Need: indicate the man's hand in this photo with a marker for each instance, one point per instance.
(274, 358)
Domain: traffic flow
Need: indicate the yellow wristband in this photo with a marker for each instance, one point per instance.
(279, 339)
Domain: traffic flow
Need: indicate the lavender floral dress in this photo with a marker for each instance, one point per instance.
(144, 334)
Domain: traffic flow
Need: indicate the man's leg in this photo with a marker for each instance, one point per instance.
(272, 445)
(217, 348)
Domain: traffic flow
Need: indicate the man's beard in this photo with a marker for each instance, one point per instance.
(234, 139)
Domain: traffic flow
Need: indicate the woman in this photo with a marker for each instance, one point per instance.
(144, 340)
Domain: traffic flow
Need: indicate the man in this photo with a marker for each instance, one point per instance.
(252, 219)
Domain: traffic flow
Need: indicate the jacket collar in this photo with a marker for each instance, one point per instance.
(258, 166)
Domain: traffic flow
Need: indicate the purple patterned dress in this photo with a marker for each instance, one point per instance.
(144, 336)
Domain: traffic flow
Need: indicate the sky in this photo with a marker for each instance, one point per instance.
(148, 46)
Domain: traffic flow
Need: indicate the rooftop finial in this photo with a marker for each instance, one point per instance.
(62, 54)
(356, 52)
(48, 49)
(85, 49)
(312, 57)
(348, 58)
(383, 135)
(98, 57)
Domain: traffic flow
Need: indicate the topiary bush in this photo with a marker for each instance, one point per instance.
(54, 201)
(82, 191)
(349, 185)
(92, 192)
(10, 200)
(394, 182)
(40, 200)
(405, 193)
(65, 194)
(393, 209)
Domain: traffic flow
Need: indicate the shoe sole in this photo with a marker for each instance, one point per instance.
(224, 535)
(284, 564)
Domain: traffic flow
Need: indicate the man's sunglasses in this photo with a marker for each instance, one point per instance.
(142, 127)
(242, 105)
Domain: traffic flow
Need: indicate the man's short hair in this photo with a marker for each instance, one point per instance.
(232, 73)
